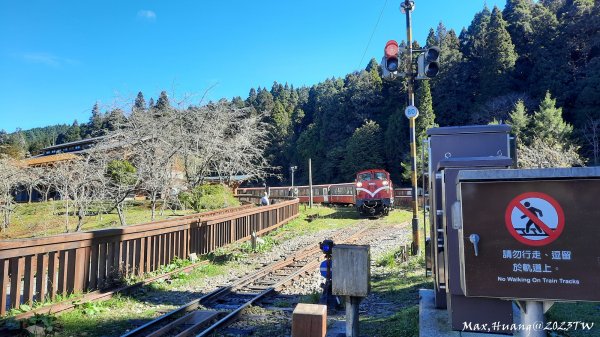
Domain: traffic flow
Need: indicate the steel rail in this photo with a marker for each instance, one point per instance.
(302, 254)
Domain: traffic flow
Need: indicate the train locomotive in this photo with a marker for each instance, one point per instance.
(374, 192)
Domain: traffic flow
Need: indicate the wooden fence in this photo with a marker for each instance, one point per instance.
(39, 269)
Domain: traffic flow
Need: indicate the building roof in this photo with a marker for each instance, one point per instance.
(45, 160)
(75, 143)
(238, 178)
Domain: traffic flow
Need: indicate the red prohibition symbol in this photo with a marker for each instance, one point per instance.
(534, 218)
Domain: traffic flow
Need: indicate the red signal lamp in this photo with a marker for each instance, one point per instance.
(391, 55)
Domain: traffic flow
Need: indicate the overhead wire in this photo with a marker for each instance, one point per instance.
(372, 33)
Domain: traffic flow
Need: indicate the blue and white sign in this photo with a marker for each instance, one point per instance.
(323, 268)
(411, 111)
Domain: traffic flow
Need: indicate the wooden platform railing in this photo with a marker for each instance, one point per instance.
(39, 269)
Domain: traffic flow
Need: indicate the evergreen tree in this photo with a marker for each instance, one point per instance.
(362, 151)
(151, 103)
(94, 126)
(71, 135)
(373, 65)
(549, 125)
(519, 17)
(450, 86)
(140, 103)
(473, 44)
(441, 33)
(431, 39)
(547, 53)
(115, 119)
(251, 100)
(519, 120)
(238, 102)
(396, 140)
(13, 145)
(498, 58)
(163, 103)
(264, 101)
(473, 39)
(426, 119)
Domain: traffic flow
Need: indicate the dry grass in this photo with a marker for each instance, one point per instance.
(49, 218)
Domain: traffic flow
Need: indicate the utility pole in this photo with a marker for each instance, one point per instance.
(407, 7)
(310, 190)
(293, 169)
(427, 67)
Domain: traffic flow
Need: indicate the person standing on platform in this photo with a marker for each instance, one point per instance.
(264, 201)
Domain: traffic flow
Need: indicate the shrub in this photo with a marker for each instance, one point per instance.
(208, 197)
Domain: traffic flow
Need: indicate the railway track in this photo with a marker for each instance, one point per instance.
(217, 309)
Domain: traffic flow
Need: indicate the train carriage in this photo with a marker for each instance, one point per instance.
(342, 194)
(333, 194)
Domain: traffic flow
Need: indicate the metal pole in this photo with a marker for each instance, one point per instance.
(408, 7)
(292, 168)
(533, 315)
(310, 190)
(424, 194)
(352, 304)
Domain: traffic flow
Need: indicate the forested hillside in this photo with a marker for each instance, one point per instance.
(535, 65)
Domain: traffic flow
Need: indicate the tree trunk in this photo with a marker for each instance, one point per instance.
(5, 220)
(67, 215)
(153, 203)
(162, 207)
(30, 194)
(80, 216)
(121, 214)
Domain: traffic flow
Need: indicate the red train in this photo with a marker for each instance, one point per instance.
(374, 192)
(336, 194)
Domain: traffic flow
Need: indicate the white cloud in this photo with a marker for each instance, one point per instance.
(46, 59)
(146, 15)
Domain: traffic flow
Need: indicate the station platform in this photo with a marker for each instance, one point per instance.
(435, 322)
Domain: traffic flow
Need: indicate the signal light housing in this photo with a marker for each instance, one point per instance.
(390, 62)
(391, 55)
(428, 63)
(326, 246)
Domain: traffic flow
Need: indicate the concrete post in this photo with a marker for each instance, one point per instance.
(310, 189)
(352, 304)
(532, 316)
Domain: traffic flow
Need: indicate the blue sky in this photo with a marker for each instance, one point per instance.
(58, 58)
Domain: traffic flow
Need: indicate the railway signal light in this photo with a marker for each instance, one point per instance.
(390, 62)
(326, 246)
(428, 63)
(391, 55)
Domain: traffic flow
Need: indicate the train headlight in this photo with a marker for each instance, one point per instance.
(385, 183)
(359, 184)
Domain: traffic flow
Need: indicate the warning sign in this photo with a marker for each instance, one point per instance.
(534, 218)
(538, 238)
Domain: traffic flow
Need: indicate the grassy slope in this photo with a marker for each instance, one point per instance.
(114, 316)
(48, 218)
(399, 286)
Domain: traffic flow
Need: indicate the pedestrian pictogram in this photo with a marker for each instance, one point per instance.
(534, 218)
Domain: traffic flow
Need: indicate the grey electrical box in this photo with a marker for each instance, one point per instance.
(350, 271)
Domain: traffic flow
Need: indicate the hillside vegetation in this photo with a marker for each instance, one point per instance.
(535, 65)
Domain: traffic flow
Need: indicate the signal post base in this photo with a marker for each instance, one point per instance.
(435, 322)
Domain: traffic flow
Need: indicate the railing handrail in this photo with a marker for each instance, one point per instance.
(41, 268)
(114, 231)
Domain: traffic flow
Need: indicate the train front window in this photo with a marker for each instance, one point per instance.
(365, 177)
(380, 176)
